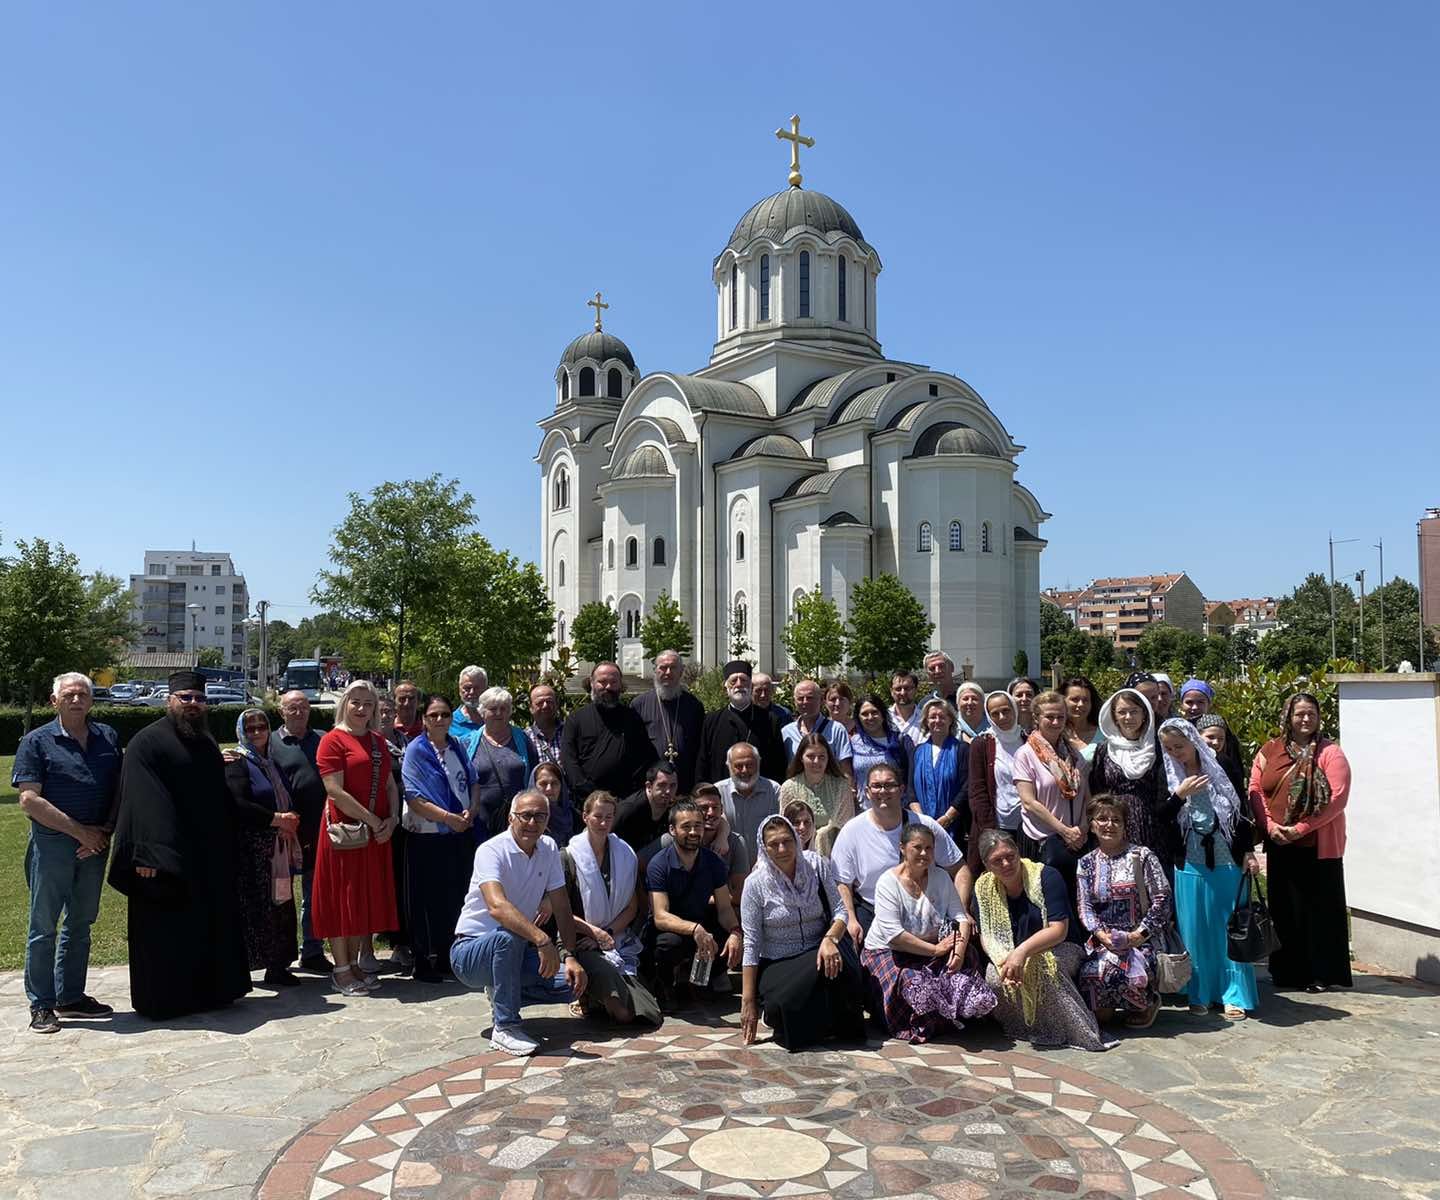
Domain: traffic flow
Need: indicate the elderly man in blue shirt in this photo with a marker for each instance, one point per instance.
(67, 774)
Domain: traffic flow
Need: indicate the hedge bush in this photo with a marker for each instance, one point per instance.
(128, 720)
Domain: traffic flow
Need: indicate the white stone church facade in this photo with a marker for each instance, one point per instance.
(799, 455)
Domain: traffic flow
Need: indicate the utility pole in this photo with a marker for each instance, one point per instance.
(263, 668)
(1360, 579)
(1333, 544)
(1380, 546)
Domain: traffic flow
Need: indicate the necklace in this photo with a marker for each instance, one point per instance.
(671, 752)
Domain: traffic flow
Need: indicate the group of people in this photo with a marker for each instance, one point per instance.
(929, 858)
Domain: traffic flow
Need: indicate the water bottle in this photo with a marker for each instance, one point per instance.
(700, 970)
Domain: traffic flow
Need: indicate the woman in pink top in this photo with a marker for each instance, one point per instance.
(1050, 779)
(1298, 789)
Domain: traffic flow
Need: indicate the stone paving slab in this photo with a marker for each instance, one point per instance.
(1336, 1095)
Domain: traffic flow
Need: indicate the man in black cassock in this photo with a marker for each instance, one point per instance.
(673, 718)
(740, 721)
(174, 856)
(605, 745)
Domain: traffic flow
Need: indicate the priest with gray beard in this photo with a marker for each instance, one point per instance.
(740, 721)
(673, 718)
(174, 856)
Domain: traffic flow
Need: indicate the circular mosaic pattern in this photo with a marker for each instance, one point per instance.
(692, 1112)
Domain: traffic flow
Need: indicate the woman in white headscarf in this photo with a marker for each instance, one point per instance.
(600, 876)
(994, 802)
(1219, 841)
(1128, 763)
(797, 969)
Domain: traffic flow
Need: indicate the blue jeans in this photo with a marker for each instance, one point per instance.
(310, 945)
(59, 882)
(510, 965)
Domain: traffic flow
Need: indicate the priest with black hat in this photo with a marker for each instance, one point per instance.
(174, 857)
(740, 721)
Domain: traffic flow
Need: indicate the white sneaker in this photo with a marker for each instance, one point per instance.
(513, 1040)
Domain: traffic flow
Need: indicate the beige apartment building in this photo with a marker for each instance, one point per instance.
(1122, 608)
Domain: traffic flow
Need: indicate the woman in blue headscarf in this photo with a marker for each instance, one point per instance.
(940, 781)
(269, 856)
(441, 799)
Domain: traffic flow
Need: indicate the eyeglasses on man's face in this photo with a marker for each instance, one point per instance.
(530, 818)
(189, 697)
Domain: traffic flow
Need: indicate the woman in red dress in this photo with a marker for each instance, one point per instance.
(354, 891)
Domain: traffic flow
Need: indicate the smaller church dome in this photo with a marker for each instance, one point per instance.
(791, 211)
(775, 445)
(951, 437)
(646, 462)
(599, 346)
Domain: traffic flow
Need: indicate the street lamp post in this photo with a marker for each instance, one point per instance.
(1380, 546)
(1360, 579)
(194, 610)
(1333, 544)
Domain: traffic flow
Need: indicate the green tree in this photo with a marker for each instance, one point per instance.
(391, 553)
(664, 628)
(1060, 641)
(1165, 647)
(1020, 664)
(210, 656)
(54, 618)
(595, 633)
(815, 634)
(1400, 601)
(1302, 640)
(888, 628)
(490, 609)
(1101, 654)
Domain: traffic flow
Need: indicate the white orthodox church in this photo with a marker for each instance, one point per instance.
(799, 455)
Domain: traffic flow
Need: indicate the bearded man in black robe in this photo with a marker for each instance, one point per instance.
(174, 856)
(740, 721)
(605, 744)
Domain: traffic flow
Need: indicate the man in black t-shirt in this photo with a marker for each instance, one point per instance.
(643, 816)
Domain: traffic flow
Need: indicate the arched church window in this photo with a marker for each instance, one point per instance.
(560, 630)
(804, 283)
(658, 557)
(957, 536)
(734, 294)
(632, 552)
(764, 287)
(985, 546)
(564, 385)
(587, 381)
(842, 287)
(865, 296)
(741, 620)
(924, 542)
(560, 573)
(562, 488)
(795, 601)
(740, 545)
(610, 554)
(613, 383)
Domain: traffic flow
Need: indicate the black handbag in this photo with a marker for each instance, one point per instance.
(1250, 934)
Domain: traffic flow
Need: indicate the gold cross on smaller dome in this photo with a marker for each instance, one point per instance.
(597, 304)
(796, 141)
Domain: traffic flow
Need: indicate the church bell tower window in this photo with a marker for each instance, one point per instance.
(842, 288)
(587, 381)
(632, 552)
(614, 383)
(804, 283)
(734, 294)
(764, 287)
(658, 559)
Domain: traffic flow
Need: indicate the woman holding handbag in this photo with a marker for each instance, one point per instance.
(1219, 843)
(354, 890)
(1050, 778)
(1123, 901)
(1299, 785)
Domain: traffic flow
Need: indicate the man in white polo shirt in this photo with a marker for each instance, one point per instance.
(869, 845)
(498, 946)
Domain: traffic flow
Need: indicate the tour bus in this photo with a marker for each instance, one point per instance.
(302, 674)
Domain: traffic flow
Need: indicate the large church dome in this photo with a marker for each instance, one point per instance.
(598, 345)
(792, 211)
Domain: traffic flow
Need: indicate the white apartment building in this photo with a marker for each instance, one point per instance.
(174, 580)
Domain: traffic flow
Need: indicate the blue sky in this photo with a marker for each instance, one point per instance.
(251, 260)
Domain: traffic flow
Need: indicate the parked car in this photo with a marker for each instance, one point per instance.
(124, 693)
(101, 695)
(224, 695)
(158, 696)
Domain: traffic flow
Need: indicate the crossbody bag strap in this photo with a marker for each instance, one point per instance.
(375, 761)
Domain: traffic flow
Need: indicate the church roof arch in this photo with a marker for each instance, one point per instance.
(1029, 505)
(823, 483)
(968, 410)
(647, 461)
(694, 396)
(772, 445)
(552, 443)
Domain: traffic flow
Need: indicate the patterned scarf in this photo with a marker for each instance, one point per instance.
(1060, 765)
(285, 854)
(997, 935)
(934, 782)
(1294, 786)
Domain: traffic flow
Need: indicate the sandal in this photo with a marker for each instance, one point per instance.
(348, 982)
(1232, 1013)
(1143, 1020)
(577, 1008)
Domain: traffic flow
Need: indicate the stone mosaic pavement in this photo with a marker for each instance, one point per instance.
(309, 1094)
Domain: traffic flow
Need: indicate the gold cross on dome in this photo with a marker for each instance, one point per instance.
(796, 141)
(597, 304)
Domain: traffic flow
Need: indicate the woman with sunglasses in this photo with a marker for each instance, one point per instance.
(441, 797)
